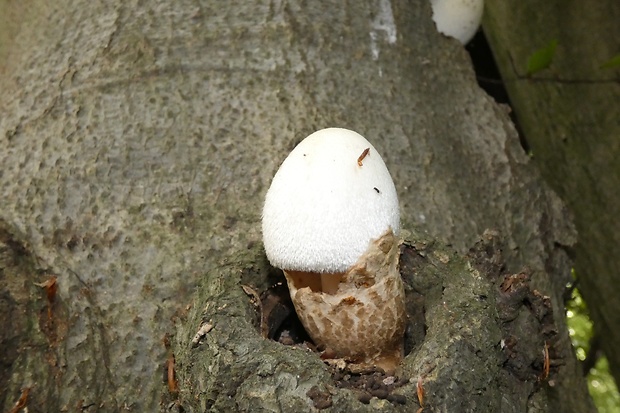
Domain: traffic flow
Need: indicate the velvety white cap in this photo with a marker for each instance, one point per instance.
(323, 208)
(458, 18)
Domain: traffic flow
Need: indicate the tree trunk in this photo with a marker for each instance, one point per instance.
(569, 116)
(137, 145)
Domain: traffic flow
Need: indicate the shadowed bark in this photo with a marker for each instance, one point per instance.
(569, 116)
(138, 142)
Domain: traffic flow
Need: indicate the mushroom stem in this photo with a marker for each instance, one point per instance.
(330, 282)
(326, 282)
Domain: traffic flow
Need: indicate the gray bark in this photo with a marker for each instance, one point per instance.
(138, 142)
(569, 116)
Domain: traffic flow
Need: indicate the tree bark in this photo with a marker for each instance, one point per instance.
(138, 143)
(569, 116)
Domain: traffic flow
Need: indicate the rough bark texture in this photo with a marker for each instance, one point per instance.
(138, 140)
(569, 116)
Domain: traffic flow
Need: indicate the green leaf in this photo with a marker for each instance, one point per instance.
(541, 58)
(612, 63)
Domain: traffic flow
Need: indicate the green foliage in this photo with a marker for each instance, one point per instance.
(541, 58)
(579, 324)
(600, 382)
(603, 388)
(612, 63)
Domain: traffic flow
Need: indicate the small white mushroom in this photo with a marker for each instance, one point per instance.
(331, 222)
(458, 18)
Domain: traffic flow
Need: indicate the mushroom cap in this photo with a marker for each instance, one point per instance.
(323, 209)
(458, 18)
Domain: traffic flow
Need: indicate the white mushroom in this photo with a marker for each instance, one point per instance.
(331, 223)
(458, 18)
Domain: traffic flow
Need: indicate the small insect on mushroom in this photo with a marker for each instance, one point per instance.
(336, 239)
(362, 156)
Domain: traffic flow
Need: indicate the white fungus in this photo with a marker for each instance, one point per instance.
(323, 208)
(458, 18)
